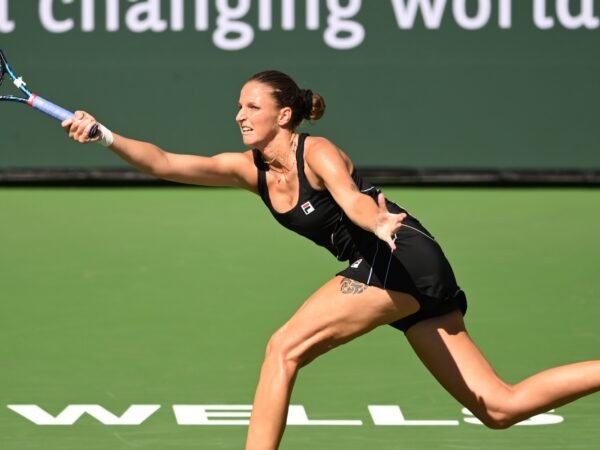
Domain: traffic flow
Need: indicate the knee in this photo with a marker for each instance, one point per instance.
(496, 420)
(283, 351)
(498, 417)
(499, 409)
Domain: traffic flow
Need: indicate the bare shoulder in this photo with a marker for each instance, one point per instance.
(239, 166)
(248, 156)
(234, 162)
(245, 156)
(320, 151)
(319, 143)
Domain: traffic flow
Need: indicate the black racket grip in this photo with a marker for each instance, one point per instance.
(93, 131)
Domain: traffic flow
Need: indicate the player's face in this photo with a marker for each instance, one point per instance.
(258, 117)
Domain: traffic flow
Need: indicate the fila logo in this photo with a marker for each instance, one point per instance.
(307, 208)
(356, 263)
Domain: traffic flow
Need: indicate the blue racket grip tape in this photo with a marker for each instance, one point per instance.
(58, 112)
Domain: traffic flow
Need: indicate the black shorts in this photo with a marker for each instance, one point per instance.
(417, 267)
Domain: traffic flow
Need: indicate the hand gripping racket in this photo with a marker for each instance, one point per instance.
(33, 100)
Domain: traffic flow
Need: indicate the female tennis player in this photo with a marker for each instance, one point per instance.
(397, 273)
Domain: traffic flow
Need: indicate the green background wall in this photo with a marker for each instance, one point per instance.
(482, 84)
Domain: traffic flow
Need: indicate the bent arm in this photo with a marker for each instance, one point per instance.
(224, 169)
(333, 168)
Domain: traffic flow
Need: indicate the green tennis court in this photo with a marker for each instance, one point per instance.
(152, 302)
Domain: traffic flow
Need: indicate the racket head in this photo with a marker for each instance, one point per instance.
(5, 69)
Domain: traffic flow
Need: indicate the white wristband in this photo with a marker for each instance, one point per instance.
(106, 136)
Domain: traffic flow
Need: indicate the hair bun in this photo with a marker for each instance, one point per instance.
(313, 105)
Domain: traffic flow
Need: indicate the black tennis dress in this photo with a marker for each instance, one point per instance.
(417, 266)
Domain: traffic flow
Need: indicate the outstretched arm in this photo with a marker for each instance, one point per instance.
(330, 165)
(224, 169)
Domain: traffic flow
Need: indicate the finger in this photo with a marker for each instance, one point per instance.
(66, 124)
(397, 224)
(381, 202)
(81, 115)
(78, 130)
(391, 243)
(72, 124)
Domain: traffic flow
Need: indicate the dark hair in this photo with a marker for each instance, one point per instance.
(305, 103)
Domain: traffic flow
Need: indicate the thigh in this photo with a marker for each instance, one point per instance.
(447, 350)
(338, 312)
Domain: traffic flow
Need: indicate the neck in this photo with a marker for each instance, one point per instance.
(278, 152)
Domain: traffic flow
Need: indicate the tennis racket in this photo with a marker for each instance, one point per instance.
(33, 100)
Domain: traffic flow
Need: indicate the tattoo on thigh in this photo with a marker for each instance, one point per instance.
(349, 286)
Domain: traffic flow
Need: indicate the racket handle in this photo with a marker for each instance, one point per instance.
(58, 112)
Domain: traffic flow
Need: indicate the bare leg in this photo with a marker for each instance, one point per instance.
(448, 352)
(328, 319)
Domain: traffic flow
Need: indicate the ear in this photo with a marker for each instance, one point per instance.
(285, 116)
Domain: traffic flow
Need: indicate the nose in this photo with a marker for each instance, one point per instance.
(240, 115)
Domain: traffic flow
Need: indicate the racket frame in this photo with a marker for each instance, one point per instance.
(34, 100)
